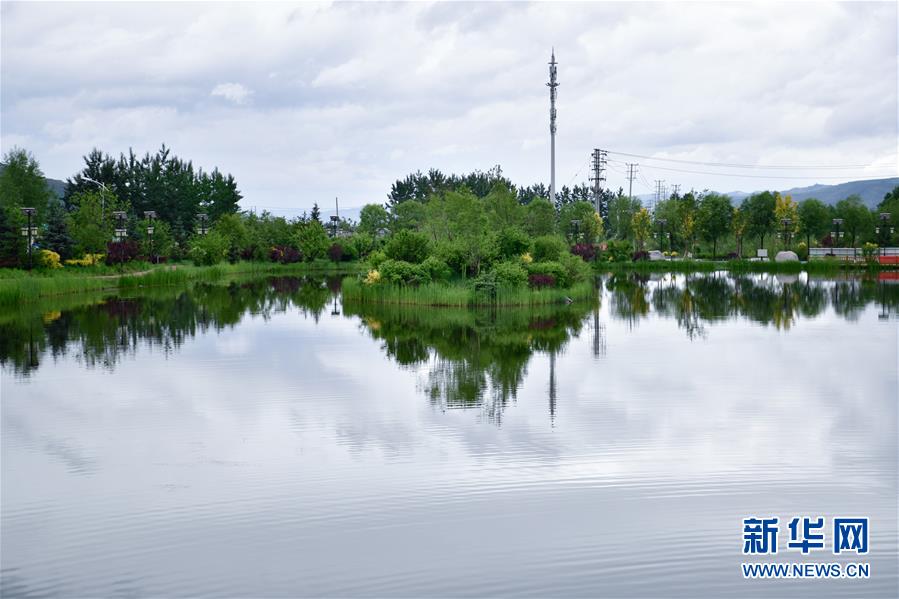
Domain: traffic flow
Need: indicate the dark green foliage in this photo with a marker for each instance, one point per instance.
(316, 213)
(548, 248)
(57, 237)
(814, 220)
(759, 210)
(437, 269)
(408, 246)
(512, 242)
(400, 272)
(209, 249)
(22, 184)
(509, 274)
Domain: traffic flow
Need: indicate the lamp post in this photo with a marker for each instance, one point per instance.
(836, 234)
(203, 218)
(662, 222)
(334, 220)
(885, 230)
(786, 222)
(150, 215)
(29, 232)
(576, 223)
(120, 231)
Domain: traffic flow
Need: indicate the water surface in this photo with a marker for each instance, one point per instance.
(263, 439)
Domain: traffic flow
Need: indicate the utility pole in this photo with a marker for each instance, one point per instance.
(552, 85)
(631, 173)
(659, 193)
(676, 189)
(599, 166)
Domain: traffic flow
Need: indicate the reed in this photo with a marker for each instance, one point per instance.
(460, 294)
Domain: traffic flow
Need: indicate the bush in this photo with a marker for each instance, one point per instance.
(49, 259)
(509, 274)
(869, 250)
(335, 252)
(453, 254)
(576, 270)
(555, 270)
(640, 256)
(619, 250)
(538, 281)
(209, 249)
(372, 278)
(86, 260)
(587, 251)
(732, 256)
(802, 251)
(376, 258)
(512, 242)
(408, 246)
(119, 252)
(548, 248)
(437, 269)
(284, 254)
(400, 272)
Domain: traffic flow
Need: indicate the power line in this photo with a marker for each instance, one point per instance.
(734, 165)
(741, 175)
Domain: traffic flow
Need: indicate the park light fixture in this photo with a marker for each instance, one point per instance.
(662, 222)
(334, 220)
(120, 231)
(150, 215)
(836, 233)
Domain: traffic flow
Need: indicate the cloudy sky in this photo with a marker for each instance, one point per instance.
(306, 102)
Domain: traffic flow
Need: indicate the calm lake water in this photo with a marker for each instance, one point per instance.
(263, 439)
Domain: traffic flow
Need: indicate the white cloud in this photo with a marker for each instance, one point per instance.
(234, 92)
(372, 91)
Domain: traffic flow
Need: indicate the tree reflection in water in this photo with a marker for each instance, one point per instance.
(468, 358)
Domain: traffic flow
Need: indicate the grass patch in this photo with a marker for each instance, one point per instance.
(461, 295)
(22, 286)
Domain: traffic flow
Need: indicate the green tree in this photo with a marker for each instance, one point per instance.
(316, 213)
(408, 246)
(312, 240)
(57, 237)
(540, 218)
(858, 222)
(621, 211)
(408, 215)
(503, 209)
(233, 231)
(739, 223)
(22, 184)
(589, 225)
(91, 221)
(759, 211)
(714, 218)
(641, 224)
(814, 219)
(373, 218)
(161, 244)
(890, 205)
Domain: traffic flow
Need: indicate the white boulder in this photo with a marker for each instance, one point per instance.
(786, 257)
(656, 255)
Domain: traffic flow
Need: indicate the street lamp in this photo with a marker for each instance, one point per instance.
(150, 215)
(885, 230)
(334, 220)
(662, 222)
(30, 232)
(577, 229)
(836, 234)
(201, 227)
(120, 231)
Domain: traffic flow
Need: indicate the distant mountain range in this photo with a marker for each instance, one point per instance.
(871, 191)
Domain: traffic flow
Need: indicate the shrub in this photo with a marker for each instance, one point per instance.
(400, 272)
(335, 252)
(512, 242)
(372, 278)
(509, 274)
(732, 256)
(209, 249)
(312, 240)
(526, 258)
(587, 251)
(555, 270)
(49, 259)
(284, 254)
(619, 250)
(802, 251)
(640, 255)
(868, 250)
(86, 260)
(437, 269)
(119, 252)
(376, 258)
(408, 246)
(548, 248)
(453, 254)
(575, 269)
(538, 281)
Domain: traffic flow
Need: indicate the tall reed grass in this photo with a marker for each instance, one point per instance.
(461, 295)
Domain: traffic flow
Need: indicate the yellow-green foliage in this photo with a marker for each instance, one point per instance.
(49, 259)
(372, 277)
(86, 260)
